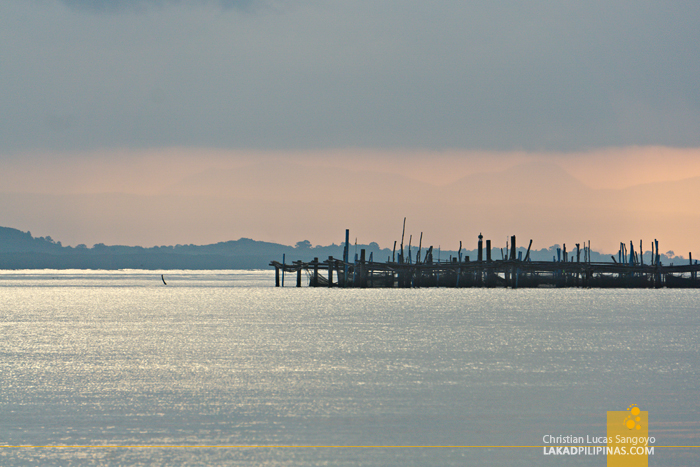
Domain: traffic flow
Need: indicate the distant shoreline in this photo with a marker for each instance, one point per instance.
(20, 250)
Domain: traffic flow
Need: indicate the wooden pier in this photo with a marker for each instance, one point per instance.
(568, 270)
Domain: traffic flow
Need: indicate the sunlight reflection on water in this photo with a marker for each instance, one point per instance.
(222, 358)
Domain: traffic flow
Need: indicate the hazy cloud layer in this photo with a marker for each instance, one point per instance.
(539, 75)
(286, 202)
(118, 6)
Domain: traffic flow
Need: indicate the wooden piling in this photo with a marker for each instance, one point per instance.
(527, 255)
(314, 278)
(363, 269)
(330, 271)
(420, 246)
(403, 232)
(513, 270)
(480, 253)
(346, 257)
(283, 267)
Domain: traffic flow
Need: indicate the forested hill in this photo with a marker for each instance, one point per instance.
(20, 250)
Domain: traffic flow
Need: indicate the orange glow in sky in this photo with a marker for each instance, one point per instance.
(190, 195)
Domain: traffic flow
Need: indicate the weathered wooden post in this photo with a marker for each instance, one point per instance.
(277, 275)
(578, 261)
(298, 273)
(480, 253)
(631, 258)
(314, 278)
(354, 268)
(346, 257)
(658, 256)
(485, 275)
(514, 271)
(527, 255)
(363, 270)
(283, 266)
(330, 271)
(403, 232)
(420, 246)
(690, 261)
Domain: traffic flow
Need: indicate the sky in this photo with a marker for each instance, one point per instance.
(127, 121)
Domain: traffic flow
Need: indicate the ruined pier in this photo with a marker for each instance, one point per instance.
(512, 271)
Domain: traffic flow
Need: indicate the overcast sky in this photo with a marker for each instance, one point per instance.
(107, 107)
(80, 75)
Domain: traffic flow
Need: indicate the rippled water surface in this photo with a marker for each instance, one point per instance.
(200, 371)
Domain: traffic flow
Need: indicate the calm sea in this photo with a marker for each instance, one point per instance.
(220, 368)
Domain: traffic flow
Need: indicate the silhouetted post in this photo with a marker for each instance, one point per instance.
(298, 273)
(631, 259)
(403, 232)
(658, 256)
(346, 257)
(354, 268)
(690, 261)
(527, 255)
(458, 260)
(657, 260)
(480, 253)
(512, 247)
(437, 273)
(314, 278)
(420, 246)
(363, 272)
(277, 276)
(330, 271)
(488, 251)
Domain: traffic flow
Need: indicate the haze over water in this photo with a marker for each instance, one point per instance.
(220, 358)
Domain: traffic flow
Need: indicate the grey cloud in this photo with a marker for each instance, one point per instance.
(103, 6)
(483, 75)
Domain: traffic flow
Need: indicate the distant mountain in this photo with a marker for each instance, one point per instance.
(20, 250)
(285, 200)
(16, 241)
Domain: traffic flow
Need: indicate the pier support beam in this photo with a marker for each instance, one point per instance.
(314, 278)
(480, 245)
(330, 271)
